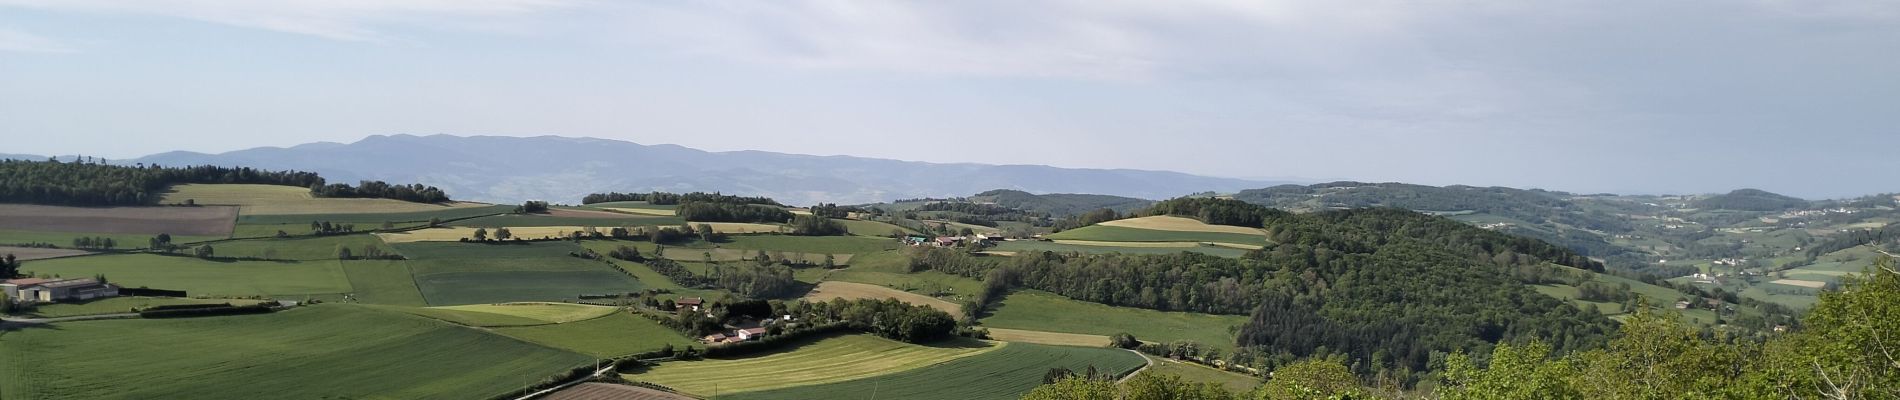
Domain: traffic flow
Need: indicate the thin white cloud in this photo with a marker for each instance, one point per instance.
(13, 40)
(355, 20)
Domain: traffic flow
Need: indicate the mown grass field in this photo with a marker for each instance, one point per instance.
(1032, 245)
(1051, 338)
(39, 253)
(475, 273)
(613, 335)
(125, 241)
(1044, 311)
(299, 249)
(280, 200)
(1104, 233)
(465, 318)
(1181, 224)
(382, 282)
(116, 305)
(202, 277)
(553, 313)
(872, 228)
(1005, 373)
(1191, 372)
(825, 291)
(603, 223)
(323, 351)
(828, 360)
(631, 204)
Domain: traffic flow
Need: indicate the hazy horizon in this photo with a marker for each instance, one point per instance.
(1637, 98)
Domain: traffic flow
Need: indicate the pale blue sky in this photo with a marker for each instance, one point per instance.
(1799, 97)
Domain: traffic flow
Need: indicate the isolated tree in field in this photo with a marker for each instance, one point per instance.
(481, 234)
(503, 234)
(897, 233)
(830, 262)
(343, 253)
(1124, 340)
(9, 267)
(705, 232)
(204, 251)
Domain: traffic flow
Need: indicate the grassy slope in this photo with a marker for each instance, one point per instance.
(203, 277)
(1030, 245)
(278, 200)
(872, 228)
(1043, 311)
(325, 351)
(1005, 373)
(1200, 373)
(603, 223)
(302, 249)
(383, 282)
(554, 313)
(65, 239)
(833, 359)
(613, 335)
(115, 305)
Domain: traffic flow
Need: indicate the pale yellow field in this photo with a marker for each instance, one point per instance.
(1180, 224)
(851, 290)
(835, 359)
(451, 234)
(1052, 338)
(1238, 246)
(739, 227)
(799, 211)
(280, 200)
(551, 312)
(998, 253)
(1130, 244)
(642, 211)
(1801, 283)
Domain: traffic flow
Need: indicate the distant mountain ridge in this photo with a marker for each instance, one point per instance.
(562, 169)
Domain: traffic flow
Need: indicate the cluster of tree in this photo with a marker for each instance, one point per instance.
(1603, 292)
(381, 190)
(1218, 211)
(754, 281)
(162, 242)
(91, 242)
(1845, 351)
(203, 251)
(9, 267)
(327, 228)
(829, 210)
(1087, 218)
(1750, 200)
(369, 252)
(532, 207)
(731, 212)
(664, 198)
(817, 225)
(98, 184)
(1844, 241)
(1059, 204)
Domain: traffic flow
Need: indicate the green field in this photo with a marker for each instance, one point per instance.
(382, 282)
(603, 223)
(366, 221)
(1033, 245)
(1005, 373)
(116, 305)
(630, 204)
(553, 313)
(125, 241)
(1044, 311)
(300, 249)
(323, 351)
(450, 273)
(202, 277)
(1191, 372)
(1124, 234)
(827, 360)
(614, 335)
(872, 228)
(466, 318)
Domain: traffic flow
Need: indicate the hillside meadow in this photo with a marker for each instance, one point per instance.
(1004, 373)
(322, 351)
(281, 200)
(826, 360)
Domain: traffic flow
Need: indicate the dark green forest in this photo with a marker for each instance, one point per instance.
(92, 184)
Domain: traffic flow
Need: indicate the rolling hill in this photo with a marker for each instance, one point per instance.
(509, 169)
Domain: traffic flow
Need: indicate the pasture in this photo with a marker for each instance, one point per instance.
(827, 360)
(825, 291)
(145, 221)
(1180, 224)
(483, 273)
(125, 241)
(1104, 233)
(600, 220)
(609, 391)
(465, 318)
(553, 313)
(373, 219)
(116, 305)
(738, 228)
(1191, 372)
(1004, 373)
(322, 351)
(873, 228)
(382, 282)
(612, 335)
(1050, 338)
(283, 200)
(38, 253)
(202, 277)
(732, 255)
(660, 212)
(1043, 311)
(297, 248)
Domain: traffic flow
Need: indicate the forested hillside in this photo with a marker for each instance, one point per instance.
(95, 184)
(1383, 285)
(1751, 200)
(1059, 204)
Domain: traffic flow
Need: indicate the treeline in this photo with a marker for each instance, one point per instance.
(756, 281)
(90, 184)
(829, 210)
(664, 198)
(381, 190)
(817, 225)
(731, 212)
(1848, 240)
(1217, 211)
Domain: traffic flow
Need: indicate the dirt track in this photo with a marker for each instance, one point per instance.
(190, 221)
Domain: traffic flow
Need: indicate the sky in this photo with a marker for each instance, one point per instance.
(1798, 97)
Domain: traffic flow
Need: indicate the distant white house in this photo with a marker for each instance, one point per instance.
(35, 290)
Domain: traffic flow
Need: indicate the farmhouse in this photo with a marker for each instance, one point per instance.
(916, 240)
(693, 302)
(56, 290)
(949, 241)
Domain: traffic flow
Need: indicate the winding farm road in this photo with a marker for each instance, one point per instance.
(1146, 362)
